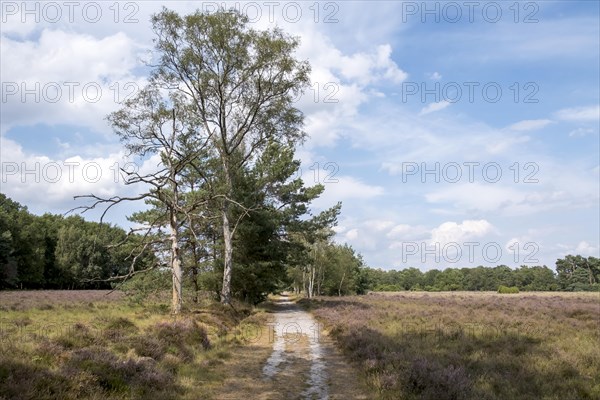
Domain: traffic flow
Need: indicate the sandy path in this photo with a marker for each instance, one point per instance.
(292, 359)
(297, 336)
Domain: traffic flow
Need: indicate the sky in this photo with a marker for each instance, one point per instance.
(455, 134)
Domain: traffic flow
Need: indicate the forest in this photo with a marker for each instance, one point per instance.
(57, 252)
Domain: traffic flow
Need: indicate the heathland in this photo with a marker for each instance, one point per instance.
(466, 345)
(407, 345)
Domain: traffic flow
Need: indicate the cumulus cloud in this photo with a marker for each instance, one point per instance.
(29, 178)
(352, 234)
(77, 78)
(378, 224)
(585, 248)
(459, 232)
(346, 188)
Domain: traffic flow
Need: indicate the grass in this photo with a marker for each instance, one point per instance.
(464, 345)
(90, 345)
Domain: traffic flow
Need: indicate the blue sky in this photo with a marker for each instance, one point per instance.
(504, 94)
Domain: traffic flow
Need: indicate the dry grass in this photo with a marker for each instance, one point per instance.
(86, 345)
(20, 300)
(470, 345)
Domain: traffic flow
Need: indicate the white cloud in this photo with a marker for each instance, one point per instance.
(454, 232)
(346, 188)
(77, 78)
(530, 124)
(499, 145)
(29, 178)
(579, 114)
(586, 249)
(473, 197)
(433, 107)
(399, 230)
(378, 225)
(436, 76)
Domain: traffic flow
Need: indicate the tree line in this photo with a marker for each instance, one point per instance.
(57, 252)
(573, 273)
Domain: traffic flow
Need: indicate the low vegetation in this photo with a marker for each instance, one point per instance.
(414, 345)
(91, 345)
(508, 290)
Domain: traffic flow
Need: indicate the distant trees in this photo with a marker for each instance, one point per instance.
(54, 252)
(578, 273)
(574, 273)
(276, 248)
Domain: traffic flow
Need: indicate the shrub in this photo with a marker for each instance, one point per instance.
(508, 290)
(430, 380)
(118, 327)
(181, 332)
(23, 381)
(147, 346)
(114, 375)
(78, 336)
(177, 337)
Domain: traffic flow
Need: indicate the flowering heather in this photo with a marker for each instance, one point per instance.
(414, 345)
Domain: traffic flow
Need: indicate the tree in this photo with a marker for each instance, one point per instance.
(535, 278)
(239, 85)
(21, 246)
(150, 124)
(449, 279)
(342, 271)
(578, 273)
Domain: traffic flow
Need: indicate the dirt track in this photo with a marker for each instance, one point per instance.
(293, 359)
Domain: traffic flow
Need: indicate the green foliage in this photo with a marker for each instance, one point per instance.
(507, 290)
(536, 278)
(577, 273)
(54, 252)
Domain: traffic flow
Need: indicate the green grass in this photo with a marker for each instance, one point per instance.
(467, 346)
(56, 345)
